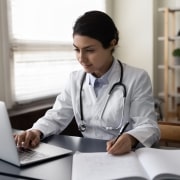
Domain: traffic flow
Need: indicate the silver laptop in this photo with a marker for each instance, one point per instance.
(20, 157)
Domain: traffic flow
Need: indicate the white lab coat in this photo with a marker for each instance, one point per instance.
(103, 115)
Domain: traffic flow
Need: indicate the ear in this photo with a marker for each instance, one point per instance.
(113, 42)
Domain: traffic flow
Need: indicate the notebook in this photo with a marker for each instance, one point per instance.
(9, 151)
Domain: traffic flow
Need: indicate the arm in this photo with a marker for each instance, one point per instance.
(54, 121)
(144, 127)
(142, 113)
(57, 119)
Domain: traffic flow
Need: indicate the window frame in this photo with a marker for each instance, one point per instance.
(6, 71)
(7, 68)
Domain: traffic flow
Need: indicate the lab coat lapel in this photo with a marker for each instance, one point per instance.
(102, 100)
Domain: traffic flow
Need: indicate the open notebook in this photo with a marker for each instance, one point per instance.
(142, 164)
(20, 157)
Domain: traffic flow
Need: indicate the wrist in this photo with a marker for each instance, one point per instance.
(133, 140)
(38, 133)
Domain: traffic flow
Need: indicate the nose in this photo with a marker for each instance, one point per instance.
(81, 57)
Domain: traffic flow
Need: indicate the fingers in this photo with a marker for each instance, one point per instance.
(27, 139)
(121, 146)
(109, 144)
(20, 138)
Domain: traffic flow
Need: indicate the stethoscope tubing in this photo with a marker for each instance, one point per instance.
(82, 126)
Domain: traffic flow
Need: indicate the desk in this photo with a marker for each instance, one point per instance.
(58, 169)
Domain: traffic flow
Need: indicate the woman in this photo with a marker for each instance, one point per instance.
(103, 97)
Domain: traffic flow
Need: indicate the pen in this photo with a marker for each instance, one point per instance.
(123, 128)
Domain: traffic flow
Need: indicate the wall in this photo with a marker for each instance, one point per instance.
(135, 22)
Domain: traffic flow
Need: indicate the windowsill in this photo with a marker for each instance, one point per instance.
(19, 109)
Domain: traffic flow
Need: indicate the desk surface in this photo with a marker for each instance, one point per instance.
(57, 169)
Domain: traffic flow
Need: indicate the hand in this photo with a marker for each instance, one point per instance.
(123, 144)
(28, 139)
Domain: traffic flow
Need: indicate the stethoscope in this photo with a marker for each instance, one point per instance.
(82, 126)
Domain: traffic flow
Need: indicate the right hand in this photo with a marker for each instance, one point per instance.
(123, 144)
(28, 138)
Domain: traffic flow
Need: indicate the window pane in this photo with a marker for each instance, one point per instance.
(38, 72)
(48, 19)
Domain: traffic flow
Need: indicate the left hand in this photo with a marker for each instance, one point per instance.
(123, 144)
(28, 138)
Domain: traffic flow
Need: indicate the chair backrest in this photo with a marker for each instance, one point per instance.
(72, 129)
(157, 104)
(170, 133)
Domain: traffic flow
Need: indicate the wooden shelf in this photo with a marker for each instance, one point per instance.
(175, 67)
(175, 38)
(170, 77)
(176, 95)
(175, 9)
(171, 94)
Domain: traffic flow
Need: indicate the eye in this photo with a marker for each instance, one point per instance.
(76, 49)
(90, 50)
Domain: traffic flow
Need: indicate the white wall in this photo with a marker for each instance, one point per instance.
(134, 19)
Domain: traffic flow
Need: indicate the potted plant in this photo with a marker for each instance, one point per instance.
(176, 54)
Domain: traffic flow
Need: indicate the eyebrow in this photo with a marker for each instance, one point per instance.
(86, 47)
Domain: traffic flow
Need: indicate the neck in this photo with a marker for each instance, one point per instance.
(106, 67)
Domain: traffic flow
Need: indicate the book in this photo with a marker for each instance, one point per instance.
(142, 164)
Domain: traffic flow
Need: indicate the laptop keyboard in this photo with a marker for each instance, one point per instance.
(29, 155)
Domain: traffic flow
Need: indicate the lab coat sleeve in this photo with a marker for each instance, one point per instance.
(142, 114)
(57, 119)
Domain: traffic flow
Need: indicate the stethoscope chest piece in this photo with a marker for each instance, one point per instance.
(82, 127)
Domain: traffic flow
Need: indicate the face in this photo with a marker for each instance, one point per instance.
(92, 56)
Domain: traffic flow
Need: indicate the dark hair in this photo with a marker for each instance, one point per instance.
(97, 25)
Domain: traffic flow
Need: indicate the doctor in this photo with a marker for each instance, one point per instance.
(104, 97)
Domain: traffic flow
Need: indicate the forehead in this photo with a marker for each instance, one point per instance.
(85, 41)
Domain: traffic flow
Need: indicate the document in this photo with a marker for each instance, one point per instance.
(142, 164)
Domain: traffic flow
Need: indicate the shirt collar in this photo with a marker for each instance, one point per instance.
(102, 80)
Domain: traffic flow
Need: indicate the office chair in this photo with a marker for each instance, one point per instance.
(157, 104)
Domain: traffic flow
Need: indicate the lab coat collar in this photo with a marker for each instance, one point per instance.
(106, 78)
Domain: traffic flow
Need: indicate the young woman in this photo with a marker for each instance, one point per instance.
(104, 97)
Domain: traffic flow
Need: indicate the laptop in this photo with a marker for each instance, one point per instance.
(10, 153)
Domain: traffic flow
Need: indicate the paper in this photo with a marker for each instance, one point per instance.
(102, 166)
(144, 163)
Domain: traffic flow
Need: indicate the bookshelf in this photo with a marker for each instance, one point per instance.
(170, 38)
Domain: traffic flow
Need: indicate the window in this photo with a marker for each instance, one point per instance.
(41, 44)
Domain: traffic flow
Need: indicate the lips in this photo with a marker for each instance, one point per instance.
(86, 65)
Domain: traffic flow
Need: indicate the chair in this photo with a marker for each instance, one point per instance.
(157, 104)
(72, 129)
(170, 134)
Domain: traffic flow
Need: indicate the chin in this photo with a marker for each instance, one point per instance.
(88, 70)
